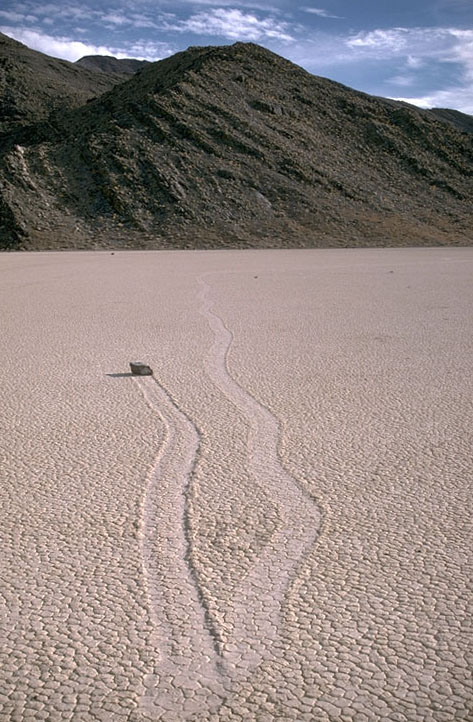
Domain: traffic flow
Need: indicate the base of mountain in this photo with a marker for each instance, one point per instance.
(370, 232)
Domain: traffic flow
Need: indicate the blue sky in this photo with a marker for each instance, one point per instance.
(417, 50)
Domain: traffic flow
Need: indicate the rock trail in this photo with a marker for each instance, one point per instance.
(187, 676)
(254, 615)
(198, 662)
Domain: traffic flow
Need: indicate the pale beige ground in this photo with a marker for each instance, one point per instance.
(277, 526)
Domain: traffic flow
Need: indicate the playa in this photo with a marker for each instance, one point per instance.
(276, 525)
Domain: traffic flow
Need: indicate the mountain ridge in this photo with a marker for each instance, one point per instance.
(109, 64)
(235, 146)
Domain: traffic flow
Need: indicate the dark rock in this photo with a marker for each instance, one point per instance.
(140, 369)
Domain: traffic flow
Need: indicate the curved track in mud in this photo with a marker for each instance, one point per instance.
(187, 677)
(254, 615)
(198, 666)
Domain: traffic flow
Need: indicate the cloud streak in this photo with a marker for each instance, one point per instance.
(246, 4)
(66, 12)
(234, 25)
(444, 44)
(321, 13)
(72, 50)
(14, 17)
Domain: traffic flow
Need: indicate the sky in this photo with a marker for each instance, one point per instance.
(415, 50)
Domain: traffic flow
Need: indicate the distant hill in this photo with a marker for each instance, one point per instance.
(32, 85)
(462, 121)
(106, 64)
(236, 146)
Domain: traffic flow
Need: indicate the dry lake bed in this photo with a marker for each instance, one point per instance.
(276, 525)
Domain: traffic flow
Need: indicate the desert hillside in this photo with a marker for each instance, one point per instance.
(231, 146)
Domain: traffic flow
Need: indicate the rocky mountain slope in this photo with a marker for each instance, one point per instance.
(106, 64)
(32, 85)
(235, 146)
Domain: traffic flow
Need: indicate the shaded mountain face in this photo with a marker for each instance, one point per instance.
(106, 64)
(32, 84)
(235, 146)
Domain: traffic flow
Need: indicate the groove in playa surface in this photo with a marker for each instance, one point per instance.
(254, 616)
(187, 677)
(197, 667)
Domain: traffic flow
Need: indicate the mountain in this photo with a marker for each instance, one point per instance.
(235, 146)
(32, 84)
(107, 64)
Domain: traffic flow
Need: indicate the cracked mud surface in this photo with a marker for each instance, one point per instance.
(277, 525)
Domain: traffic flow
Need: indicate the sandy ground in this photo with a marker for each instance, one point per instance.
(275, 526)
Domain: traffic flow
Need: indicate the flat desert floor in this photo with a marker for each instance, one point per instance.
(277, 525)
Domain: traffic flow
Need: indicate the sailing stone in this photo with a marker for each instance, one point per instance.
(140, 369)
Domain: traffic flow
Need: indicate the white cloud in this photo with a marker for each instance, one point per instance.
(137, 20)
(320, 12)
(404, 81)
(380, 41)
(66, 12)
(234, 25)
(11, 16)
(67, 49)
(143, 21)
(414, 63)
(460, 98)
(143, 50)
(416, 45)
(463, 49)
(247, 4)
(118, 17)
(114, 19)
